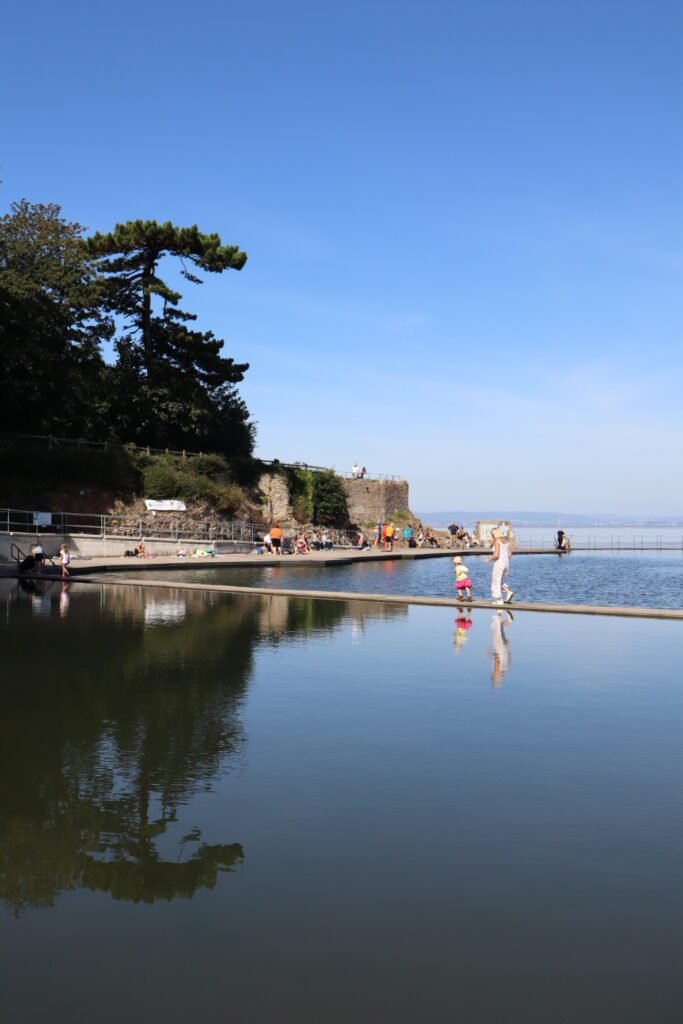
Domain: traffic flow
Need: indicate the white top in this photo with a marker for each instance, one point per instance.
(504, 556)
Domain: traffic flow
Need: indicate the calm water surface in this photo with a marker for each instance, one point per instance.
(255, 809)
(645, 579)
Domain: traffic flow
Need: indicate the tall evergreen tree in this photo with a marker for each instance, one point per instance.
(51, 326)
(173, 385)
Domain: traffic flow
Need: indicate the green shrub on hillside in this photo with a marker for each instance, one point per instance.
(160, 481)
(329, 499)
(165, 477)
(207, 465)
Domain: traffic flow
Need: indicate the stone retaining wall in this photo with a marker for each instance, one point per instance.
(371, 500)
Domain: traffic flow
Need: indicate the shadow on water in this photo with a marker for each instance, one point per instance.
(112, 720)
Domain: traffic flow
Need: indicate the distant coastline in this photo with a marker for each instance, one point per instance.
(548, 520)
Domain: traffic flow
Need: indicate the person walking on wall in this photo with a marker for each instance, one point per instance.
(64, 560)
(501, 564)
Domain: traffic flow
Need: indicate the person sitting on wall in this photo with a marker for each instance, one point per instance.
(301, 545)
(268, 544)
(327, 542)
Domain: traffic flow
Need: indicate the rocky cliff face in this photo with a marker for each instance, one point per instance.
(276, 504)
(367, 500)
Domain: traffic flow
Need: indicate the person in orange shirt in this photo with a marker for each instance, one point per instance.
(276, 538)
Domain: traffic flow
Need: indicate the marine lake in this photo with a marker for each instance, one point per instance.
(250, 808)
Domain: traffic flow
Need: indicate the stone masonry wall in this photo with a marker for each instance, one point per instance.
(276, 507)
(371, 500)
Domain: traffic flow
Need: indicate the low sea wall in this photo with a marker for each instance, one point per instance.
(107, 547)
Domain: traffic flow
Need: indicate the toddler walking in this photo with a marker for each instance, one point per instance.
(64, 560)
(463, 583)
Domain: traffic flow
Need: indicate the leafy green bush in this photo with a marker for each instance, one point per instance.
(207, 465)
(329, 499)
(229, 499)
(160, 481)
(301, 509)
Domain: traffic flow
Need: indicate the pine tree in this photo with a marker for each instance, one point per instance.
(173, 385)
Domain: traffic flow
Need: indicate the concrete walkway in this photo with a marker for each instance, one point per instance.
(343, 556)
(95, 570)
(404, 599)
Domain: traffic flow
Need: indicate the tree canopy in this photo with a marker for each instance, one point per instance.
(52, 325)
(63, 296)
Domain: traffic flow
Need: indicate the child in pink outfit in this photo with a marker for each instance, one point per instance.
(463, 583)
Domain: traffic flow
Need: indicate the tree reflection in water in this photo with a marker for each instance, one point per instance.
(111, 723)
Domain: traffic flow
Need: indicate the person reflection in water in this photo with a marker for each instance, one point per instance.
(500, 652)
(64, 600)
(463, 624)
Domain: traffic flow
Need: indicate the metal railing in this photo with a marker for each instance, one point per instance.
(81, 443)
(371, 476)
(613, 542)
(82, 524)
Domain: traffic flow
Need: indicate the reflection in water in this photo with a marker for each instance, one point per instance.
(164, 613)
(463, 624)
(64, 600)
(501, 646)
(112, 718)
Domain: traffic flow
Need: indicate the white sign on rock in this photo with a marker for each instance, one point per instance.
(165, 506)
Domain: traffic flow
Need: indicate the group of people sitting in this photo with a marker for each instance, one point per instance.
(276, 543)
(458, 537)
(387, 536)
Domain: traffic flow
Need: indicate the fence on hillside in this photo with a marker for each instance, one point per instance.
(82, 444)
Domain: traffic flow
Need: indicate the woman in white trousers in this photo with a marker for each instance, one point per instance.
(501, 564)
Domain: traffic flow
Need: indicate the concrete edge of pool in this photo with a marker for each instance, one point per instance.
(440, 602)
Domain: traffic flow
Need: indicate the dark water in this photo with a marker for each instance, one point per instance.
(254, 809)
(650, 579)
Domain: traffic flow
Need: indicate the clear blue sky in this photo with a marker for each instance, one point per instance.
(463, 220)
